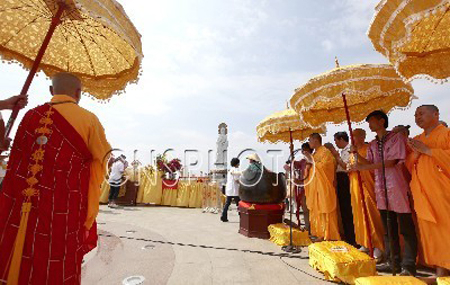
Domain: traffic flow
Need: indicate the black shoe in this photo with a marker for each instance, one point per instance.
(406, 272)
(223, 219)
(386, 268)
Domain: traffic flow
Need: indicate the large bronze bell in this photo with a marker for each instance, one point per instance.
(262, 187)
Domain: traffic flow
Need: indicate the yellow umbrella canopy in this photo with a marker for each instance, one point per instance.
(367, 87)
(277, 127)
(94, 40)
(414, 35)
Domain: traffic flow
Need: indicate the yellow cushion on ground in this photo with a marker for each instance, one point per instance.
(340, 262)
(443, 281)
(389, 280)
(280, 235)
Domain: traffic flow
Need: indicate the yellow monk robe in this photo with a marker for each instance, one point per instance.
(321, 197)
(430, 187)
(93, 134)
(376, 225)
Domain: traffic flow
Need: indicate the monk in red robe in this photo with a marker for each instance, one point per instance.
(50, 194)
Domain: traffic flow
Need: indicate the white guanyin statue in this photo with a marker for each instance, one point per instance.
(222, 146)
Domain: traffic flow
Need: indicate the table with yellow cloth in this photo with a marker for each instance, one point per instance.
(189, 193)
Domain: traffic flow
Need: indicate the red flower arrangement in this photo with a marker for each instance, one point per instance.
(162, 164)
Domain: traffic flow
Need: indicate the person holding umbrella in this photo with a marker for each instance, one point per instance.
(8, 104)
(386, 156)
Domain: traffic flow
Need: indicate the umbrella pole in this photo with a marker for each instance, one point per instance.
(388, 215)
(55, 22)
(361, 189)
(291, 247)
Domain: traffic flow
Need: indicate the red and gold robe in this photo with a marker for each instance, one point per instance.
(60, 227)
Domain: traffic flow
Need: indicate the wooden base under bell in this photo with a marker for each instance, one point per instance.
(255, 219)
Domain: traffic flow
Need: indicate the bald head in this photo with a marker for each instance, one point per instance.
(427, 116)
(315, 140)
(67, 84)
(359, 135)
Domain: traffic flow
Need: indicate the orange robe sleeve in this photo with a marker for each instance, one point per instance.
(99, 147)
(442, 156)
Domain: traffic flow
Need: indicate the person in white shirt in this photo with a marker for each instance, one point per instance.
(341, 140)
(231, 188)
(115, 179)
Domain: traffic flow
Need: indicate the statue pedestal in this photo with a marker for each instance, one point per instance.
(255, 218)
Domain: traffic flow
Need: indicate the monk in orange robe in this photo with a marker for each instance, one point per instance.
(50, 195)
(320, 190)
(429, 164)
(368, 182)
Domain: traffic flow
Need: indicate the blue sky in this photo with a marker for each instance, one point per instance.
(210, 61)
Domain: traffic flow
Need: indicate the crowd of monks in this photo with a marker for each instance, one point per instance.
(405, 185)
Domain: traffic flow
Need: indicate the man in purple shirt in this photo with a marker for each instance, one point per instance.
(395, 182)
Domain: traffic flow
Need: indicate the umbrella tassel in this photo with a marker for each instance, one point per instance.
(14, 269)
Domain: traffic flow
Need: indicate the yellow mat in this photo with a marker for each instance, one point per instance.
(443, 281)
(280, 235)
(389, 280)
(340, 262)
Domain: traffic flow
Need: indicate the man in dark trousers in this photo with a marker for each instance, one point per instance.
(341, 140)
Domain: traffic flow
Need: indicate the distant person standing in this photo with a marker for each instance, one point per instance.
(231, 188)
(115, 179)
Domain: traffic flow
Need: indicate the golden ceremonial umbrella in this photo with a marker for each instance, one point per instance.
(367, 87)
(93, 39)
(414, 35)
(351, 92)
(285, 126)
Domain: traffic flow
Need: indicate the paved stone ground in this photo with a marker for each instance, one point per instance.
(168, 245)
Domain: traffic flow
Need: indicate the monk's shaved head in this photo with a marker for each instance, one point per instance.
(431, 108)
(427, 116)
(359, 136)
(359, 133)
(67, 84)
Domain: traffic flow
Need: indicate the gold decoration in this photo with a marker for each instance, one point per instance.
(35, 168)
(32, 181)
(368, 87)
(414, 35)
(95, 41)
(275, 128)
(30, 191)
(38, 155)
(46, 121)
(43, 130)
